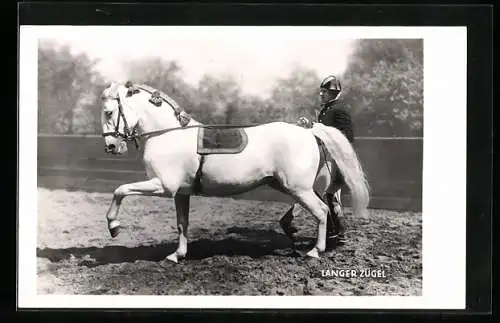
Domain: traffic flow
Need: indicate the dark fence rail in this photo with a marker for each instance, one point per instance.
(393, 167)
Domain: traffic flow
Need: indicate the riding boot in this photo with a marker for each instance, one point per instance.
(331, 237)
(339, 224)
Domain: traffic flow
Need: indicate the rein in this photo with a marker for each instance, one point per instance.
(226, 126)
(132, 135)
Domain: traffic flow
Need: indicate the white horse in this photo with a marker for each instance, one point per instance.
(284, 156)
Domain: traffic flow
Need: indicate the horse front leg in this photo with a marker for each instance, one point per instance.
(182, 210)
(152, 187)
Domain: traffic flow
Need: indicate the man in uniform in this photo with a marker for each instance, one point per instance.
(333, 114)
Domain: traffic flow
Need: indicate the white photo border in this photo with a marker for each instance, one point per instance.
(444, 184)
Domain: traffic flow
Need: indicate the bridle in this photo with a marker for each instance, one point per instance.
(129, 134)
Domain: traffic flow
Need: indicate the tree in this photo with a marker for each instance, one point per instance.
(390, 103)
(165, 76)
(295, 96)
(221, 96)
(384, 87)
(253, 109)
(66, 88)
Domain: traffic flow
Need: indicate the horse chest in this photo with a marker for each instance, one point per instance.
(168, 161)
(150, 172)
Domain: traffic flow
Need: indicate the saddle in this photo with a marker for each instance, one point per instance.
(221, 140)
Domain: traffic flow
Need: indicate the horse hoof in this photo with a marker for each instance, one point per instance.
(295, 253)
(173, 258)
(335, 242)
(313, 253)
(114, 228)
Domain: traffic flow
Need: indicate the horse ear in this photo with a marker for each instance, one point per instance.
(111, 85)
(121, 92)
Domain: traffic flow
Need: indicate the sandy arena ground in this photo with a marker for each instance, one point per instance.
(236, 247)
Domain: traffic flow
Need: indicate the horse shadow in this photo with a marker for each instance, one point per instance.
(249, 242)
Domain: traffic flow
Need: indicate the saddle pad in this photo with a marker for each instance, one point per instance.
(214, 140)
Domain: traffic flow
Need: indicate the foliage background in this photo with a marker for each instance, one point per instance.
(383, 89)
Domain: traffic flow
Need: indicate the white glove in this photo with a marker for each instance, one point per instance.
(304, 122)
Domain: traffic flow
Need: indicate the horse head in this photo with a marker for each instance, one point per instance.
(118, 119)
(127, 108)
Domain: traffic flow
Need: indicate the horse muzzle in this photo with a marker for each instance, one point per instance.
(110, 149)
(115, 149)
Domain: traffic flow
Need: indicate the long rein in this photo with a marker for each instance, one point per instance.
(130, 134)
(162, 131)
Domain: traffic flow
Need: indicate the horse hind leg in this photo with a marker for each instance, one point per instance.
(286, 220)
(286, 223)
(321, 183)
(311, 202)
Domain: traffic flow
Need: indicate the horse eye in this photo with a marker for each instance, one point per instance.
(108, 113)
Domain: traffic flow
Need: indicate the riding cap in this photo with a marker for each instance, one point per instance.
(331, 83)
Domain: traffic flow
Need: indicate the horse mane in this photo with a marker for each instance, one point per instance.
(151, 90)
(182, 116)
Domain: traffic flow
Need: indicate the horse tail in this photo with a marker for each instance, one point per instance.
(346, 159)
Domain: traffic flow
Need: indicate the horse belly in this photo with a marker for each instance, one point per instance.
(214, 188)
(228, 174)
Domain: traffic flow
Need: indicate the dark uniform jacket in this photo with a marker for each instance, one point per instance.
(334, 114)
